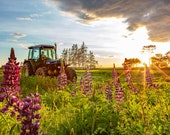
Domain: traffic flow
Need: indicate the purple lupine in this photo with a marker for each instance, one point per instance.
(82, 85)
(10, 92)
(10, 87)
(73, 93)
(30, 119)
(62, 78)
(108, 92)
(62, 81)
(119, 93)
(86, 83)
(127, 72)
(149, 78)
(11, 73)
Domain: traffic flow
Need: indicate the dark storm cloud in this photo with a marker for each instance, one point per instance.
(154, 14)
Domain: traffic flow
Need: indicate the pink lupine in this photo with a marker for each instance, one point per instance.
(127, 72)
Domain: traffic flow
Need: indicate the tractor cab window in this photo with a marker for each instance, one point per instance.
(36, 53)
(43, 55)
(30, 54)
(48, 53)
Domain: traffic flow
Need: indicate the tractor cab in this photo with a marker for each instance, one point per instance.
(42, 56)
(42, 61)
(42, 52)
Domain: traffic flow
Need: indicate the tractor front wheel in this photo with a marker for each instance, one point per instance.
(41, 71)
(27, 70)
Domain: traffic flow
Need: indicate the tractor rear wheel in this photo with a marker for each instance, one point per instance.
(41, 71)
(27, 70)
(71, 74)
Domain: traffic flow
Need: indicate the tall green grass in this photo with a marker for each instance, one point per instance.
(145, 113)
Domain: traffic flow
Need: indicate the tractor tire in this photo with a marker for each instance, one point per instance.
(27, 70)
(71, 74)
(41, 71)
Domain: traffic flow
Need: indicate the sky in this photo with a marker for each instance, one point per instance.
(112, 29)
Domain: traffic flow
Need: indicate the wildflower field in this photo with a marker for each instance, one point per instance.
(102, 102)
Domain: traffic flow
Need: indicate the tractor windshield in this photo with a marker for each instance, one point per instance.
(48, 53)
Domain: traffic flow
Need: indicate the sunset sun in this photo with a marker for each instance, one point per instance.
(144, 59)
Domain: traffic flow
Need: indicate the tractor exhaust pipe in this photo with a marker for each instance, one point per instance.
(55, 50)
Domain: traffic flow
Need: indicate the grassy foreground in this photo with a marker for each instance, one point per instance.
(145, 113)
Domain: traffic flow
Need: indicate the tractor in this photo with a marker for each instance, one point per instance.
(42, 61)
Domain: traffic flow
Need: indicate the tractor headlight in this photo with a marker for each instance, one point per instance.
(55, 72)
(49, 72)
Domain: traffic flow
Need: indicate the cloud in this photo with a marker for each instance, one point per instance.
(35, 15)
(153, 14)
(24, 45)
(24, 18)
(18, 35)
(12, 40)
(40, 15)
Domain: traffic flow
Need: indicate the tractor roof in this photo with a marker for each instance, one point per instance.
(41, 46)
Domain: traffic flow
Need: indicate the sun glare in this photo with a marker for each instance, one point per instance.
(144, 59)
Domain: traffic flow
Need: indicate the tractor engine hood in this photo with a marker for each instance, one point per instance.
(49, 61)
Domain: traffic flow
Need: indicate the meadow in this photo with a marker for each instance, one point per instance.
(70, 112)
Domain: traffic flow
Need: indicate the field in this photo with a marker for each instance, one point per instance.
(70, 112)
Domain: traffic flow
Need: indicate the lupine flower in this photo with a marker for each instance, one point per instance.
(73, 93)
(127, 72)
(86, 83)
(108, 91)
(149, 78)
(119, 93)
(10, 87)
(9, 92)
(62, 81)
(30, 119)
(62, 78)
(82, 85)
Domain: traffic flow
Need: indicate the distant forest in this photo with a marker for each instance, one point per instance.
(79, 57)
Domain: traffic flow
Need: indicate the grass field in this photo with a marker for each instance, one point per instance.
(145, 113)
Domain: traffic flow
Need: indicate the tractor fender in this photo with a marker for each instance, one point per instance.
(31, 65)
(27, 69)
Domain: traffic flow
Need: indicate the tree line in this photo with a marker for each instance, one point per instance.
(159, 59)
(79, 56)
(133, 61)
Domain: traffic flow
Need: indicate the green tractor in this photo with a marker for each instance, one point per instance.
(42, 61)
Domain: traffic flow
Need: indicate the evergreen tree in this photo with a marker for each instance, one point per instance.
(91, 60)
(64, 55)
(74, 54)
(79, 57)
(69, 56)
(83, 51)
